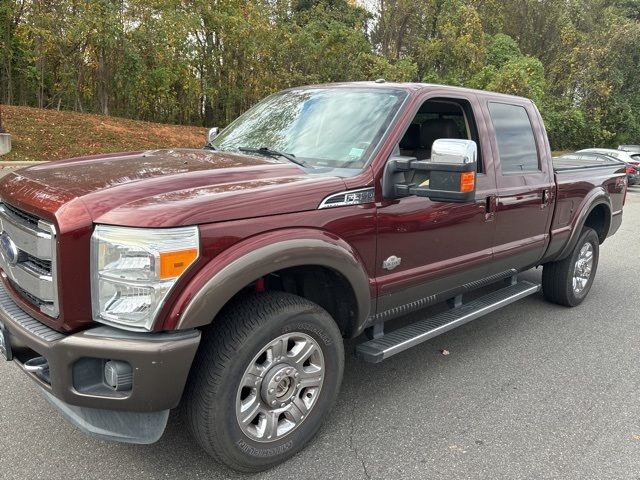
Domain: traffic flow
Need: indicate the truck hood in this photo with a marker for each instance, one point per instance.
(165, 188)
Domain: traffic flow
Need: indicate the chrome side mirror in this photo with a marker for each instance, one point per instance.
(454, 152)
(448, 176)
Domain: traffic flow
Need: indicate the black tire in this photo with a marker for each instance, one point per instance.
(229, 346)
(557, 277)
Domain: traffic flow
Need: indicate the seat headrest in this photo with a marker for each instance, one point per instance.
(411, 138)
(434, 129)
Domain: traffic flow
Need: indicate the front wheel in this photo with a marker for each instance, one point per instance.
(568, 281)
(267, 373)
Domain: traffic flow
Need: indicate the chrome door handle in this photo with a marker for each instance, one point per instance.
(490, 208)
(545, 198)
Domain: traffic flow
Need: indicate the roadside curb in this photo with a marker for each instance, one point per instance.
(5, 141)
(10, 165)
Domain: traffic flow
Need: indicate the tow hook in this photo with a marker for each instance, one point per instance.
(39, 366)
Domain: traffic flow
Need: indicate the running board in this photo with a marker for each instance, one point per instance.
(397, 341)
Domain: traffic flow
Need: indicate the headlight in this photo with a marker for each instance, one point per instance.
(133, 270)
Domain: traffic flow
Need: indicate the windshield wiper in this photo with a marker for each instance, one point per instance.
(274, 154)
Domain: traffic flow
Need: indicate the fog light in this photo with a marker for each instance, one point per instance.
(118, 375)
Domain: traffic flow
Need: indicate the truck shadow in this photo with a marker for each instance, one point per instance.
(368, 386)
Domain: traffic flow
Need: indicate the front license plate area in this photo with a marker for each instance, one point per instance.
(5, 345)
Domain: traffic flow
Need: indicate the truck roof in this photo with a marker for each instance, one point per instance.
(412, 87)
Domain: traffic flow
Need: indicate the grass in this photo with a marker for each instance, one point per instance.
(38, 134)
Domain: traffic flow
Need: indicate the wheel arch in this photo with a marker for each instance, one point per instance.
(315, 252)
(596, 213)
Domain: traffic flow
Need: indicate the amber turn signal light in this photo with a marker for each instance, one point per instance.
(467, 181)
(172, 264)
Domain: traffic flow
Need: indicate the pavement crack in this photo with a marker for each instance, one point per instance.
(352, 445)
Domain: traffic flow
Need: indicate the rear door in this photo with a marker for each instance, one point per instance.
(525, 183)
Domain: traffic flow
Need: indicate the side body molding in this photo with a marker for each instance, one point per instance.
(235, 268)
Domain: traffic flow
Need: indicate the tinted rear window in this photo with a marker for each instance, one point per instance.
(514, 134)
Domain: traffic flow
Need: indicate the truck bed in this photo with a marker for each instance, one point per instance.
(563, 164)
(576, 182)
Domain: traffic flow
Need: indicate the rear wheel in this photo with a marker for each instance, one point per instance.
(267, 373)
(568, 281)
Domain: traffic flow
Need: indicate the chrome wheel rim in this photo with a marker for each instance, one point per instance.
(280, 387)
(582, 268)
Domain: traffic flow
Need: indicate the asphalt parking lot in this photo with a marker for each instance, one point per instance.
(532, 391)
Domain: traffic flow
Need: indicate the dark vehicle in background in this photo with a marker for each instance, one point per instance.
(633, 173)
(226, 278)
(591, 158)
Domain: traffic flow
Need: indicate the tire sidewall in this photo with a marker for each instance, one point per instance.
(314, 322)
(588, 236)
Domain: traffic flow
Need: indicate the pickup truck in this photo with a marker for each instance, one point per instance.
(226, 278)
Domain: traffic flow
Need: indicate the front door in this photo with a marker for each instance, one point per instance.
(425, 247)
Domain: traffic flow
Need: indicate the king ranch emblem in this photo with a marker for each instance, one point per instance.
(391, 262)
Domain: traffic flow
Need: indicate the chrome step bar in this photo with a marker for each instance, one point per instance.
(397, 341)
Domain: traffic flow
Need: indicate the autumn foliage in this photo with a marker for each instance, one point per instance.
(202, 62)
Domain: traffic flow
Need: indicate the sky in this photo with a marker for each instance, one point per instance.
(368, 4)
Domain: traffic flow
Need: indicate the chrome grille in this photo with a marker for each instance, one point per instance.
(28, 257)
(26, 295)
(43, 267)
(26, 217)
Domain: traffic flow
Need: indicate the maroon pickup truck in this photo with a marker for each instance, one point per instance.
(226, 278)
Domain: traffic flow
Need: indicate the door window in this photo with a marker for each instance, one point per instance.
(439, 118)
(514, 135)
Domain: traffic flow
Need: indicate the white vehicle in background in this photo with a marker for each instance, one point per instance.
(633, 150)
(629, 148)
(625, 156)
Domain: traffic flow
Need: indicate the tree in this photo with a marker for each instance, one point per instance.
(2, 130)
(206, 61)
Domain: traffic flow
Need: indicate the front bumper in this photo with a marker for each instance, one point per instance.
(75, 383)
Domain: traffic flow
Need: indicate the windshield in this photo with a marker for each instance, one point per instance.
(321, 127)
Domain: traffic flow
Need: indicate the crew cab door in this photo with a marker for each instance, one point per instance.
(427, 247)
(525, 182)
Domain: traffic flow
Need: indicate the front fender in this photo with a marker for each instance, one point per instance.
(235, 268)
